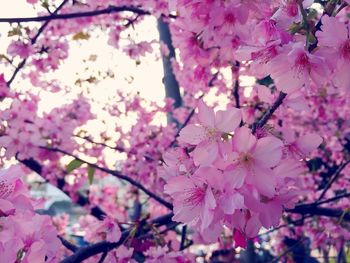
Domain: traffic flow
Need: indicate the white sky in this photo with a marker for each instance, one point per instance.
(146, 76)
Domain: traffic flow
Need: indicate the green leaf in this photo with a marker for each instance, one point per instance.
(73, 165)
(91, 171)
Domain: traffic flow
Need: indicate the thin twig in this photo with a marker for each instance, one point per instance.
(103, 257)
(55, 16)
(287, 251)
(319, 211)
(118, 175)
(88, 251)
(270, 111)
(81, 200)
(235, 92)
(87, 138)
(333, 179)
(183, 237)
(70, 246)
(333, 199)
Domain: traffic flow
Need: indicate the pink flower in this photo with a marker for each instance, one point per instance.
(302, 146)
(294, 68)
(108, 230)
(176, 162)
(254, 159)
(194, 200)
(209, 133)
(294, 100)
(18, 48)
(335, 46)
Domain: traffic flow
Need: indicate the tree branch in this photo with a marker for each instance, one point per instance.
(183, 237)
(235, 91)
(55, 16)
(68, 244)
(270, 111)
(82, 200)
(321, 211)
(104, 246)
(333, 179)
(118, 175)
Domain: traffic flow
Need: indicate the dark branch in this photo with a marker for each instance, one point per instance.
(330, 200)
(183, 237)
(118, 175)
(103, 257)
(320, 211)
(333, 179)
(55, 16)
(270, 111)
(235, 92)
(82, 200)
(101, 247)
(68, 244)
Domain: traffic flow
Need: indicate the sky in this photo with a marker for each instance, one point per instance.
(146, 77)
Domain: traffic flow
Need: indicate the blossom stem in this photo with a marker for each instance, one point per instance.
(88, 251)
(333, 179)
(270, 111)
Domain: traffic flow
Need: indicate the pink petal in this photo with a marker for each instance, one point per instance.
(185, 214)
(264, 94)
(268, 152)
(308, 143)
(206, 114)
(211, 175)
(243, 140)
(209, 205)
(205, 153)
(178, 184)
(333, 33)
(264, 181)
(230, 202)
(271, 214)
(227, 121)
(235, 178)
(192, 134)
(239, 238)
(253, 226)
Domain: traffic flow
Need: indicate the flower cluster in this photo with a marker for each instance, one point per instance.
(24, 236)
(224, 175)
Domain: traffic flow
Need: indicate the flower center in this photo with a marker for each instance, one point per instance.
(211, 133)
(195, 196)
(345, 50)
(301, 64)
(245, 159)
(230, 18)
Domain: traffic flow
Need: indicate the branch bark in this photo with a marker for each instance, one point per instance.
(118, 175)
(55, 16)
(82, 200)
(270, 111)
(172, 88)
(320, 211)
(101, 247)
